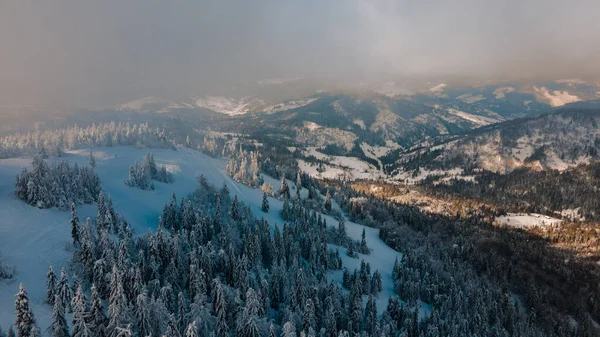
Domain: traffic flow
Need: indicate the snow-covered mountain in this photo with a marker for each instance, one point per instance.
(559, 141)
(230, 106)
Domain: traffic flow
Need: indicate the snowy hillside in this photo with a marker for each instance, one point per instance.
(338, 167)
(153, 104)
(559, 141)
(229, 106)
(32, 239)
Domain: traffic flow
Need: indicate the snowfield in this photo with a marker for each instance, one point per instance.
(557, 97)
(334, 167)
(228, 106)
(478, 120)
(527, 220)
(438, 88)
(290, 105)
(32, 239)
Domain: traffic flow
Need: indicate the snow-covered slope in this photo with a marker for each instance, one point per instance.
(556, 97)
(153, 104)
(229, 106)
(289, 105)
(32, 239)
(558, 141)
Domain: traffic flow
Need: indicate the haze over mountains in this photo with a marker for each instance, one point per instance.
(314, 168)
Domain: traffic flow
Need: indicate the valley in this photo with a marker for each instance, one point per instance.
(399, 210)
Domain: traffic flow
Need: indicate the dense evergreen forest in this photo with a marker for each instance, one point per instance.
(525, 266)
(528, 190)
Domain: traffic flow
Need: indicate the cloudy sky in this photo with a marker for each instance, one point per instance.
(107, 51)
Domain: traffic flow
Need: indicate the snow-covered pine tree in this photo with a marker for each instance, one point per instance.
(224, 191)
(220, 310)
(248, 322)
(192, 330)
(298, 181)
(181, 313)
(328, 202)
(143, 314)
(289, 330)
(363, 243)
(75, 230)
(284, 190)
(376, 285)
(59, 327)
(341, 231)
(21, 185)
(50, 286)
(370, 316)
(92, 160)
(265, 203)
(272, 331)
(6, 271)
(80, 314)
(97, 318)
(172, 328)
(25, 323)
(151, 165)
(131, 177)
(118, 311)
(63, 290)
(235, 210)
(101, 217)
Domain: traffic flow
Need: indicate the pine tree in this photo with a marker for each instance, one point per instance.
(50, 286)
(80, 314)
(92, 160)
(97, 318)
(172, 328)
(131, 180)
(25, 323)
(376, 285)
(219, 308)
(363, 243)
(328, 202)
(192, 330)
(371, 316)
(285, 210)
(224, 190)
(59, 326)
(11, 332)
(272, 330)
(309, 320)
(2, 334)
(341, 231)
(181, 313)
(63, 290)
(284, 190)
(118, 313)
(298, 181)
(235, 210)
(74, 225)
(248, 323)
(265, 203)
(101, 218)
(289, 330)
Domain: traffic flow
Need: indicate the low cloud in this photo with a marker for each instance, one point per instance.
(103, 52)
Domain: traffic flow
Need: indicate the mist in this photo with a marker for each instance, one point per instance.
(84, 53)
